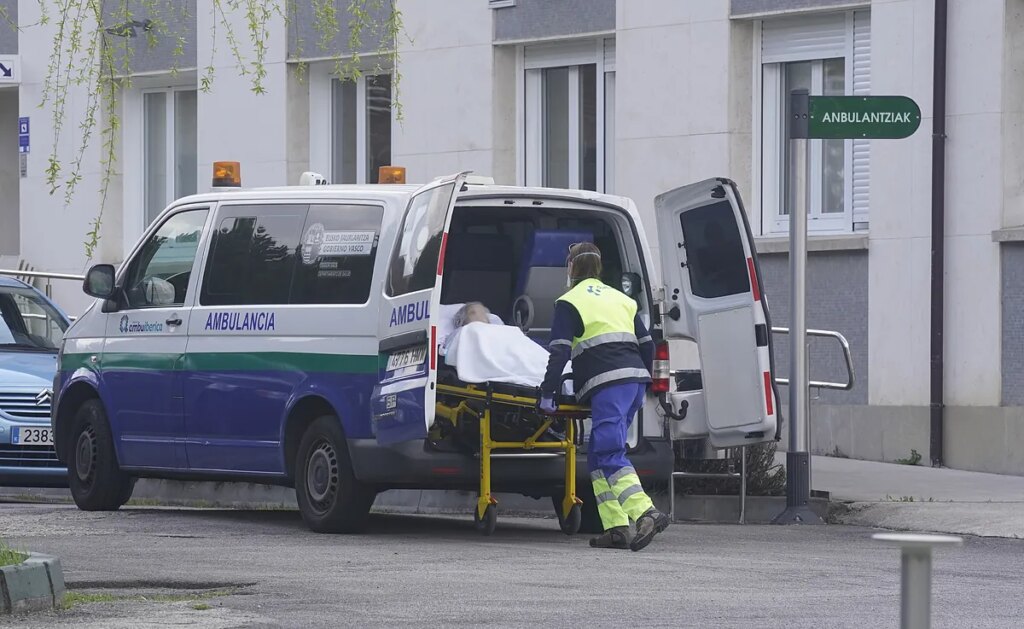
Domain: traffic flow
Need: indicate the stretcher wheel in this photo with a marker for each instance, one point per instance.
(571, 524)
(488, 522)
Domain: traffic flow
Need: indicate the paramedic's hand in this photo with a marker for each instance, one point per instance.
(547, 405)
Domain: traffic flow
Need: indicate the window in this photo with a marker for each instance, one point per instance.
(339, 245)
(361, 128)
(169, 148)
(27, 321)
(414, 263)
(158, 275)
(827, 55)
(714, 251)
(568, 120)
(252, 256)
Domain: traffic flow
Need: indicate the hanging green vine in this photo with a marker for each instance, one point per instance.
(93, 52)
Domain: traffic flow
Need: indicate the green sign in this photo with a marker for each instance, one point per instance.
(876, 117)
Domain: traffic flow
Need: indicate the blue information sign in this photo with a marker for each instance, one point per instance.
(23, 135)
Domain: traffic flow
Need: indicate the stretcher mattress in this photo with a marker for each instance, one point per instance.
(482, 352)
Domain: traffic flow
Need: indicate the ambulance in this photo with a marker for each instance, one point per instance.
(291, 335)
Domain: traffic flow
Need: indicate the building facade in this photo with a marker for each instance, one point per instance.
(631, 97)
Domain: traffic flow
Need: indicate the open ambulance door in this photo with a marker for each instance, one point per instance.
(403, 401)
(713, 297)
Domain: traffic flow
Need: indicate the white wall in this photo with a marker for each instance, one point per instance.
(9, 182)
(52, 232)
(447, 65)
(236, 124)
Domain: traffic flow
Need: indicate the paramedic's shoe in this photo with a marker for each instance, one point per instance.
(649, 525)
(617, 537)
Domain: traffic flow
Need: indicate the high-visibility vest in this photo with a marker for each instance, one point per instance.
(607, 351)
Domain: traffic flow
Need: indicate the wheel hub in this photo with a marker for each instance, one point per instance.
(85, 455)
(322, 473)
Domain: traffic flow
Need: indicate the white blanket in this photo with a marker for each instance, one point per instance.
(483, 352)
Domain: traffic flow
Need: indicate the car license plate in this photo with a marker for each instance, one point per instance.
(32, 436)
(407, 358)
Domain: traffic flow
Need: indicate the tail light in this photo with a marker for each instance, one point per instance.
(661, 369)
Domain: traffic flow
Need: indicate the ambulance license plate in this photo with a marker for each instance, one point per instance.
(32, 436)
(407, 358)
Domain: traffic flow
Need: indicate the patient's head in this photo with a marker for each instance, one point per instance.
(472, 312)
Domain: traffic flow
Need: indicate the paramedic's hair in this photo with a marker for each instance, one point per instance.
(584, 262)
(462, 316)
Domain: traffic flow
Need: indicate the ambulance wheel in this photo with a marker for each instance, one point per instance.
(490, 520)
(95, 480)
(331, 499)
(571, 524)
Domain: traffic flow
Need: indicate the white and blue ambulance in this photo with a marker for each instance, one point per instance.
(291, 335)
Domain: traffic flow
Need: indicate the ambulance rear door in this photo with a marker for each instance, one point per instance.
(403, 401)
(713, 297)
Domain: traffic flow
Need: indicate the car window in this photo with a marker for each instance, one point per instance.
(339, 246)
(414, 264)
(252, 257)
(714, 251)
(158, 276)
(28, 322)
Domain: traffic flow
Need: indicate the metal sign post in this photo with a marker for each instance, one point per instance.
(821, 117)
(798, 459)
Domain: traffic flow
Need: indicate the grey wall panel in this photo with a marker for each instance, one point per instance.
(1012, 256)
(158, 51)
(837, 299)
(750, 8)
(532, 19)
(8, 34)
(305, 40)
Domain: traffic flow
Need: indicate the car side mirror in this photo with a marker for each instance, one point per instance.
(99, 281)
(630, 284)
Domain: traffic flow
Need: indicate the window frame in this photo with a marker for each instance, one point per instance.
(321, 117)
(531, 62)
(769, 150)
(170, 146)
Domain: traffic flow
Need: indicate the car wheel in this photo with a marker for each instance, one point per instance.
(330, 498)
(95, 480)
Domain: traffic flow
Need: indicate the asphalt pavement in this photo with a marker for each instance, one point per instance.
(225, 568)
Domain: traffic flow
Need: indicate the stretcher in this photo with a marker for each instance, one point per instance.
(479, 402)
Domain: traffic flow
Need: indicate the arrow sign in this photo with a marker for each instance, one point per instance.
(7, 72)
(874, 117)
(10, 69)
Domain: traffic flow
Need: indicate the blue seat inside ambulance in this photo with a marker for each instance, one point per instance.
(479, 267)
(542, 270)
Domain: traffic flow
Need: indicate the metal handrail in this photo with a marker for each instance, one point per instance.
(847, 356)
(43, 274)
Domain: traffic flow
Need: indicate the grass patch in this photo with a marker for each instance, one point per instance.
(73, 598)
(9, 556)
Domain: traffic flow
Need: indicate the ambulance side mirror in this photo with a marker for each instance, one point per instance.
(99, 281)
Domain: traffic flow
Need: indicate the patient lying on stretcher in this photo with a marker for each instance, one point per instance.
(481, 351)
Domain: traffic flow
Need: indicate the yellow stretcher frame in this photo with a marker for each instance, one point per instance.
(485, 515)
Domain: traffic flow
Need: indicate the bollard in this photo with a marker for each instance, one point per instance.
(916, 574)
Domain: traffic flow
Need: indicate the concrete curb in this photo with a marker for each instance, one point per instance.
(37, 584)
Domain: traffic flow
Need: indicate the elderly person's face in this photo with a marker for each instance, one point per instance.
(477, 313)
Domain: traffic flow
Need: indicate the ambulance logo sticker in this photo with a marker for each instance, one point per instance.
(311, 243)
(124, 324)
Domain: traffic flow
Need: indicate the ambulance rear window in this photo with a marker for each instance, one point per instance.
(714, 251)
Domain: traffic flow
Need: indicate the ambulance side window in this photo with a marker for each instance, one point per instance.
(253, 255)
(339, 246)
(714, 251)
(414, 263)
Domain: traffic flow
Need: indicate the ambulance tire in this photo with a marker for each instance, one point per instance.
(331, 499)
(95, 480)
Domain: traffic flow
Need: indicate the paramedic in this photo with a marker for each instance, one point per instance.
(612, 354)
